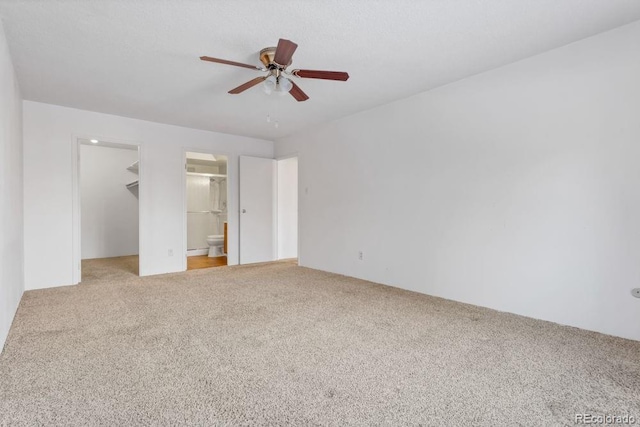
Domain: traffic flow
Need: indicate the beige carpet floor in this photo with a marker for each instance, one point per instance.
(110, 270)
(277, 344)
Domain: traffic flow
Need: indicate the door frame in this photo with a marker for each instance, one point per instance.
(295, 154)
(232, 237)
(76, 209)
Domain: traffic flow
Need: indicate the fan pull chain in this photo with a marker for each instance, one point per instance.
(276, 124)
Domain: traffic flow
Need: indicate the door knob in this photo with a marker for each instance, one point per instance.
(244, 211)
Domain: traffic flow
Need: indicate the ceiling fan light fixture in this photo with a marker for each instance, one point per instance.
(270, 84)
(279, 84)
(284, 85)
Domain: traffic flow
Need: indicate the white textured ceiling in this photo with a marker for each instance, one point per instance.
(140, 58)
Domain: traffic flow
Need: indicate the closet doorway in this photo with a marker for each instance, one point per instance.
(108, 205)
(206, 210)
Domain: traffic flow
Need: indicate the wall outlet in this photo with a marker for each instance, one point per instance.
(170, 252)
(360, 255)
(635, 292)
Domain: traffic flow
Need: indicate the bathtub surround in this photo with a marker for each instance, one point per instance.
(206, 212)
(11, 191)
(201, 222)
(218, 194)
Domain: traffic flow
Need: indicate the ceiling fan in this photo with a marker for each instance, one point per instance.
(276, 60)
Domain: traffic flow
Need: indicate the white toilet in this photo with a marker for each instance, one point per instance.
(215, 243)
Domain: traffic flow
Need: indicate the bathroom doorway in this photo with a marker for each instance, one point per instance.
(106, 233)
(206, 210)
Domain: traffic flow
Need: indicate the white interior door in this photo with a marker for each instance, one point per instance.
(257, 210)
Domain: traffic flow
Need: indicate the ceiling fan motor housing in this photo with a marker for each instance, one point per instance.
(267, 56)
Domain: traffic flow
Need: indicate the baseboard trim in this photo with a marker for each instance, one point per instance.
(197, 252)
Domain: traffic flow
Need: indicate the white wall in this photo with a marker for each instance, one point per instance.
(109, 210)
(11, 181)
(288, 208)
(48, 144)
(517, 189)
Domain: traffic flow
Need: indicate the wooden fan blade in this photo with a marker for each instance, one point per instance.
(297, 93)
(284, 52)
(247, 85)
(224, 61)
(326, 75)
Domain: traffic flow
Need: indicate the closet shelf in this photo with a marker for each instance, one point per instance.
(210, 175)
(134, 167)
(132, 184)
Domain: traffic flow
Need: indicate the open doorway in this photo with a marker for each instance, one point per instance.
(287, 205)
(207, 210)
(108, 183)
